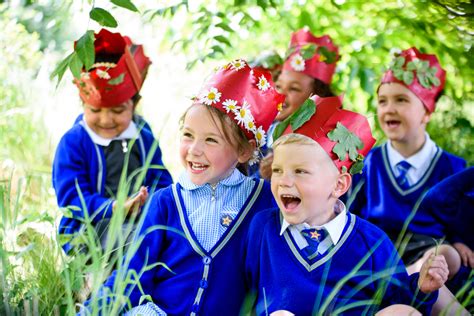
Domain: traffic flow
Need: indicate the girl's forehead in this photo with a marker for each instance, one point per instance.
(199, 117)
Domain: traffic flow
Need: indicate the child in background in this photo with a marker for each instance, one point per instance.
(196, 228)
(308, 70)
(310, 256)
(397, 174)
(105, 139)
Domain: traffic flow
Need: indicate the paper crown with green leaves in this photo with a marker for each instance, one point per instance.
(344, 135)
(118, 72)
(311, 55)
(421, 73)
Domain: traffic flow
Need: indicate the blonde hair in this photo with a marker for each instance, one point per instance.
(293, 138)
(233, 134)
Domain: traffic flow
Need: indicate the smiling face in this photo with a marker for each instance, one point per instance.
(204, 151)
(109, 122)
(297, 87)
(401, 115)
(305, 183)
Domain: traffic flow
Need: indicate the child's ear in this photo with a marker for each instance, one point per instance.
(246, 153)
(426, 118)
(343, 184)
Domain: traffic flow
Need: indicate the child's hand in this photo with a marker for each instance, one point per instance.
(266, 166)
(282, 313)
(433, 274)
(467, 255)
(133, 203)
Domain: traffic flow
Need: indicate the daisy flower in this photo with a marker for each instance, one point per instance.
(260, 136)
(237, 64)
(255, 157)
(263, 83)
(243, 114)
(229, 105)
(250, 126)
(85, 75)
(102, 74)
(210, 97)
(297, 62)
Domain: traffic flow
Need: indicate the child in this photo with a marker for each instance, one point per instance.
(397, 173)
(308, 70)
(311, 256)
(108, 137)
(196, 229)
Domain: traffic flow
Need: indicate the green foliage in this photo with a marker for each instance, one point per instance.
(297, 119)
(347, 142)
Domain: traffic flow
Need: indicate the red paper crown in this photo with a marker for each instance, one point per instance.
(268, 61)
(343, 134)
(109, 84)
(311, 55)
(421, 73)
(246, 95)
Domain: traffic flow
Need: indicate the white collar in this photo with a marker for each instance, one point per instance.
(334, 227)
(418, 159)
(131, 132)
(233, 179)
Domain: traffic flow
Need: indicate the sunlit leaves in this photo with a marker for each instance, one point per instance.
(103, 17)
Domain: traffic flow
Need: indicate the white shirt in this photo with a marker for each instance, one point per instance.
(334, 228)
(130, 133)
(420, 162)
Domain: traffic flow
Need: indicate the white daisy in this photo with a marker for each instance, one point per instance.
(255, 157)
(297, 62)
(260, 136)
(102, 74)
(237, 64)
(229, 105)
(210, 97)
(250, 126)
(263, 83)
(243, 114)
(85, 75)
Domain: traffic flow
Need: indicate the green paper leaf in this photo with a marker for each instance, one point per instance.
(280, 128)
(436, 81)
(85, 49)
(424, 65)
(117, 80)
(399, 62)
(126, 4)
(307, 51)
(398, 73)
(327, 56)
(343, 169)
(290, 51)
(103, 17)
(423, 81)
(347, 142)
(411, 66)
(303, 114)
(408, 77)
(76, 66)
(356, 167)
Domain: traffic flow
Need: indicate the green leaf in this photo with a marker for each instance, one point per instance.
(399, 62)
(225, 27)
(344, 169)
(280, 128)
(433, 71)
(307, 51)
(327, 56)
(85, 49)
(222, 39)
(117, 80)
(422, 80)
(356, 167)
(436, 81)
(411, 66)
(347, 142)
(408, 77)
(126, 4)
(217, 49)
(424, 65)
(76, 66)
(398, 73)
(103, 17)
(303, 114)
(61, 68)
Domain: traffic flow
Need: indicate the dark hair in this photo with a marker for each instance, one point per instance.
(322, 89)
(233, 134)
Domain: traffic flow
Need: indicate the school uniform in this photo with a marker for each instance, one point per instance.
(353, 262)
(87, 168)
(378, 196)
(198, 232)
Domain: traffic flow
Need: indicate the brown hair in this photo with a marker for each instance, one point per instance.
(233, 134)
(322, 89)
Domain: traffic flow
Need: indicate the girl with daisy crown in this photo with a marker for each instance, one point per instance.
(206, 214)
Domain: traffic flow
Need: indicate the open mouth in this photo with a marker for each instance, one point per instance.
(392, 123)
(290, 201)
(197, 166)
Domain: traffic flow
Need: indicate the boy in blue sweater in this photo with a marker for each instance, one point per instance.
(397, 174)
(310, 256)
(105, 139)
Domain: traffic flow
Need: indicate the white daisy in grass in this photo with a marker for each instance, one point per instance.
(210, 97)
(237, 64)
(243, 114)
(102, 74)
(263, 83)
(260, 136)
(229, 105)
(297, 62)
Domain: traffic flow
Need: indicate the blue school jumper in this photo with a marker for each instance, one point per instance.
(198, 281)
(80, 163)
(377, 197)
(345, 280)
